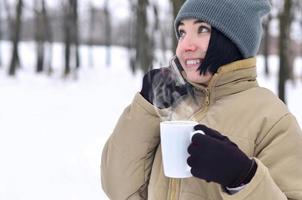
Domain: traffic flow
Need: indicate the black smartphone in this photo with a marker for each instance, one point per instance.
(177, 69)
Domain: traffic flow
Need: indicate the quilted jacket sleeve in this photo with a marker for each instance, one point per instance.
(129, 152)
(279, 159)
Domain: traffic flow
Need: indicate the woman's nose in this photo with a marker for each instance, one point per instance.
(189, 44)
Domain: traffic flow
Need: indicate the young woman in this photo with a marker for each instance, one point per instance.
(252, 147)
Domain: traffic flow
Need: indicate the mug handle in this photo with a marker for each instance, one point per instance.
(197, 131)
(191, 135)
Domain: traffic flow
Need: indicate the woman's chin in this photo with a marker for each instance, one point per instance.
(194, 79)
(199, 79)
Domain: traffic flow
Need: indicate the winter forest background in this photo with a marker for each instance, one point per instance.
(69, 67)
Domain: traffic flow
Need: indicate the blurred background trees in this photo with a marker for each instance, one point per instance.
(146, 31)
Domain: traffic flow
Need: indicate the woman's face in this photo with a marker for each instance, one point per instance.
(192, 47)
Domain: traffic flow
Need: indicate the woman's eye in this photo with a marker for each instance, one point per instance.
(181, 33)
(204, 29)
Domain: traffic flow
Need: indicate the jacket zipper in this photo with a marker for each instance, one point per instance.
(174, 185)
(207, 98)
(206, 104)
(174, 189)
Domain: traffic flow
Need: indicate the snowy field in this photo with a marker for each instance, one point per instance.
(52, 131)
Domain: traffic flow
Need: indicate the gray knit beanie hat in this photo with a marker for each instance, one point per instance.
(239, 20)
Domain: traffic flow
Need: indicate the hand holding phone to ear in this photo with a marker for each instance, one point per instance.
(161, 89)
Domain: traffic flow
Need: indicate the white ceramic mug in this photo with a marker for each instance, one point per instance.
(175, 139)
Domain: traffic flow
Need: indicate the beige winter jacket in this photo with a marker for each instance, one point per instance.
(251, 116)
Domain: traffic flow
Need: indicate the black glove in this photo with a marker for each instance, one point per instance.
(213, 157)
(161, 89)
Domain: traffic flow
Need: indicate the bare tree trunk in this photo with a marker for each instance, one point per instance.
(71, 37)
(67, 52)
(291, 55)
(91, 33)
(144, 51)
(266, 42)
(39, 35)
(107, 33)
(48, 38)
(74, 5)
(11, 26)
(284, 40)
(176, 4)
(16, 38)
(132, 33)
(67, 38)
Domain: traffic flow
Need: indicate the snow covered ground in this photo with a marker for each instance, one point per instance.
(52, 131)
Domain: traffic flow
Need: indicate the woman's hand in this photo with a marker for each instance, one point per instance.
(213, 157)
(160, 88)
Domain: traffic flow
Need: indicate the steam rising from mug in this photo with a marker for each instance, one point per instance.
(169, 90)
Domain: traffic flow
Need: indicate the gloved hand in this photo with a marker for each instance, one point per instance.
(161, 89)
(213, 157)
